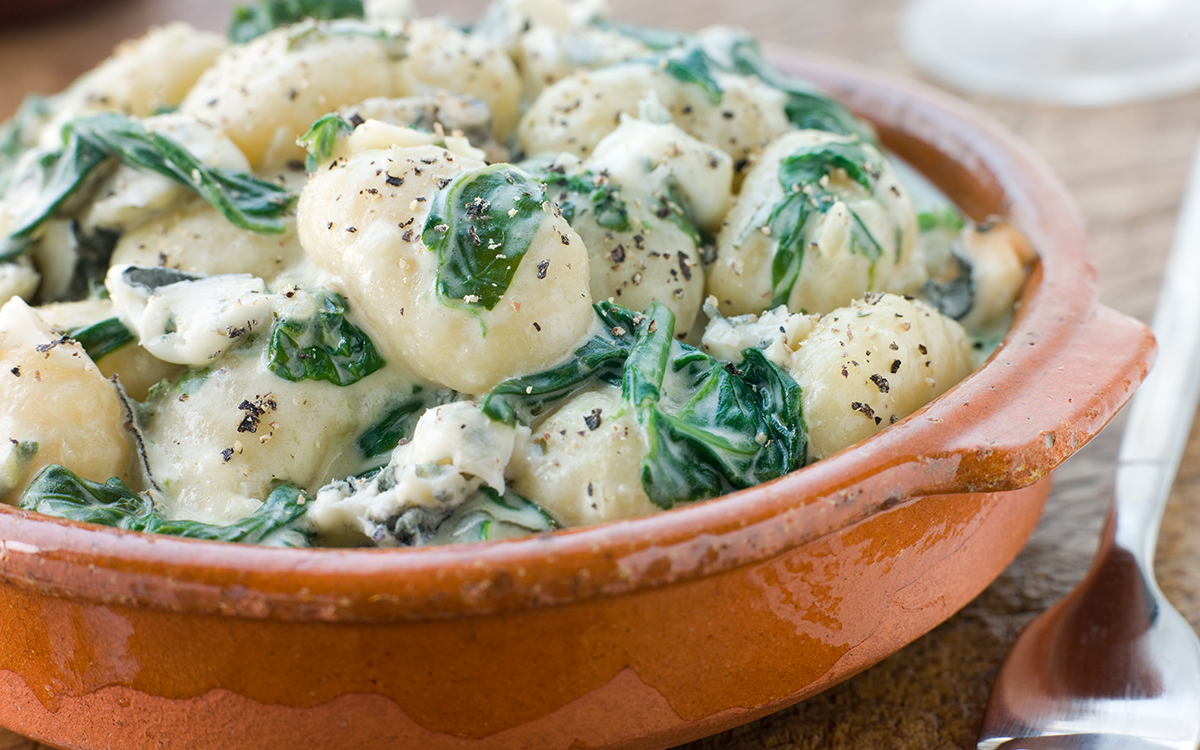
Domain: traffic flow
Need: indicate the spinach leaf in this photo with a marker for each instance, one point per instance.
(601, 358)
(105, 337)
(481, 227)
(20, 133)
(942, 218)
(804, 194)
(243, 199)
(488, 515)
(324, 347)
(56, 491)
(397, 423)
(710, 427)
(806, 108)
(255, 20)
(320, 138)
(689, 64)
(575, 194)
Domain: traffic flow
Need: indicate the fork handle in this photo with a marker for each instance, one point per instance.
(1161, 413)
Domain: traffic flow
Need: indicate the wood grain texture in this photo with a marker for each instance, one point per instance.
(1126, 166)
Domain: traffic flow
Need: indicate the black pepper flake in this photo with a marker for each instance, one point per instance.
(639, 240)
(618, 254)
(653, 326)
(893, 346)
(227, 454)
(420, 199)
(411, 219)
(474, 235)
(921, 348)
(428, 160)
(441, 228)
(565, 239)
(351, 230)
(589, 489)
(880, 383)
(894, 419)
(292, 94)
(407, 236)
(864, 408)
(878, 420)
(417, 171)
(895, 366)
(443, 182)
(845, 372)
(16, 371)
(593, 420)
(356, 120)
(394, 181)
(727, 115)
(663, 212)
(542, 266)
(329, 225)
(537, 326)
(683, 266)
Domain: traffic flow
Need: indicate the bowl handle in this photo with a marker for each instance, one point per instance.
(1054, 396)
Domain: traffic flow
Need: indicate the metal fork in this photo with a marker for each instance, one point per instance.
(1114, 665)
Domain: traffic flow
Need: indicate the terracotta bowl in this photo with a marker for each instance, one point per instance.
(639, 634)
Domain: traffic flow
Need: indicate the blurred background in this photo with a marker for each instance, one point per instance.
(1125, 165)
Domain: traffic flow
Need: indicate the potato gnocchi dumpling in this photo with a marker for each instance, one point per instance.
(364, 222)
(869, 365)
(820, 220)
(389, 281)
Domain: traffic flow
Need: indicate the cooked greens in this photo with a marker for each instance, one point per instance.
(319, 139)
(105, 337)
(251, 21)
(243, 199)
(480, 227)
(59, 492)
(575, 194)
(489, 515)
(324, 346)
(710, 427)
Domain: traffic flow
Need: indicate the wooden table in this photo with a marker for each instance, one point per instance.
(1126, 166)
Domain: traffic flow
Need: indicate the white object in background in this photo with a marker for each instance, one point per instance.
(1084, 53)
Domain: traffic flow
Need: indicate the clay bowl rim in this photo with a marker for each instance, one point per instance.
(963, 442)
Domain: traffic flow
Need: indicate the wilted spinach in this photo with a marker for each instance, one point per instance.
(396, 423)
(711, 427)
(255, 20)
(320, 138)
(481, 227)
(577, 193)
(105, 337)
(325, 346)
(242, 198)
(56, 491)
(488, 515)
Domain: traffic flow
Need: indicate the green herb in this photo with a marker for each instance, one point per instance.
(691, 65)
(942, 218)
(323, 347)
(253, 21)
(488, 515)
(806, 107)
(102, 338)
(804, 195)
(710, 427)
(243, 199)
(673, 211)
(20, 133)
(575, 194)
(320, 138)
(56, 491)
(397, 423)
(481, 227)
(601, 358)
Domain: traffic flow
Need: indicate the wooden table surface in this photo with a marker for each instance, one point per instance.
(1126, 167)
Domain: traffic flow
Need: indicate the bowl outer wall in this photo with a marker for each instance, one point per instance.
(1065, 368)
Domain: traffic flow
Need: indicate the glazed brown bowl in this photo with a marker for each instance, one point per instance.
(641, 633)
